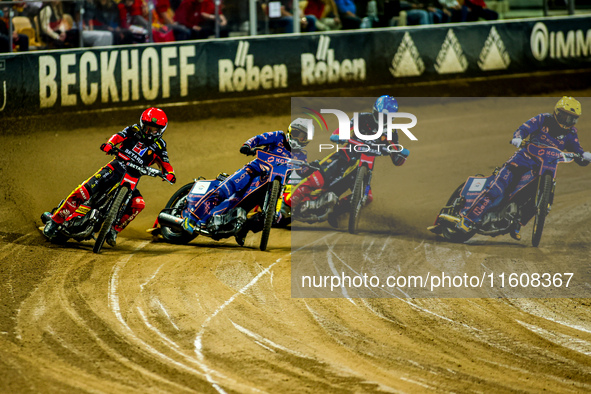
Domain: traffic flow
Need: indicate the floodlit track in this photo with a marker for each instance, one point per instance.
(211, 316)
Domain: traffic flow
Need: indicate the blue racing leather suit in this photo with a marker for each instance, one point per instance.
(229, 193)
(541, 129)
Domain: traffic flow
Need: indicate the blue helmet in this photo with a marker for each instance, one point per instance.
(384, 104)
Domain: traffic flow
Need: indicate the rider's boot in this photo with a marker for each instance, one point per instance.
(516, 232)
(51, 229)
(112, 237)
(465, 225)
(240, 236)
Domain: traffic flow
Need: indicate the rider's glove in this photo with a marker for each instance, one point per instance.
(245, 150)
(170, 177)
(106, 148)
(587, 156)
(516, 142)
(399, 158)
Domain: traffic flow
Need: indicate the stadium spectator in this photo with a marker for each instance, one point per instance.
(421, 12)
(199, 17)
(478, 9)
(92, 37)
(103, 15)
(164, 16)
(285, 20)
(387, 11)
(131, 16)
(455, 11)
(57, 28)
(325, 12)
(383, 12)
(19, 41)
(348, 14)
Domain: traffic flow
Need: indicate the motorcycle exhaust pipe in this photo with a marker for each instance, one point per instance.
(168, 220)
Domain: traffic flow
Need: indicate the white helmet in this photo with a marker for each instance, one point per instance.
(300, 132)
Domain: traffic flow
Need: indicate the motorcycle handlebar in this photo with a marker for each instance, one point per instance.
(149, 171)
(570, 155)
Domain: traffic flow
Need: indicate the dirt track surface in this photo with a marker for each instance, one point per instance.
(211, 316)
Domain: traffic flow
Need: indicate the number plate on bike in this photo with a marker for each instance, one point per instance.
(200, 187)
(477, 185)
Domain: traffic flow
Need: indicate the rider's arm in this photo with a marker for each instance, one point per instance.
(534, 124)
(115, 139)
(121, 136)
(273, 137)
(397, 155)
(161, 158)
(572, 145)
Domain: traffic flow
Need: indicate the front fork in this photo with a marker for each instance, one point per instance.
(539, 195)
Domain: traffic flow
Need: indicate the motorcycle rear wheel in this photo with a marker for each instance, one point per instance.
(177, 202)
(356, 198)
(270, 213)
(110, 219)
(544, 193)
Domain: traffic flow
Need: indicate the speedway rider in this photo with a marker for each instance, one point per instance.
(286, 144)
(335, 165)
(556, 130)
(141, 142)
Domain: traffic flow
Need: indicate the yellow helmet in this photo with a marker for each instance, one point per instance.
(567, 112)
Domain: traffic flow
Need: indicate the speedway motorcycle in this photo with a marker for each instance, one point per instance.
(254, 210)
(329, 204)
(531, 198)
(98, 214)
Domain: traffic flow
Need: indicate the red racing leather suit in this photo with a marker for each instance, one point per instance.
(133, 146)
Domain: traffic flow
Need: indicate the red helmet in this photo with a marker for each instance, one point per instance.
(153, 122)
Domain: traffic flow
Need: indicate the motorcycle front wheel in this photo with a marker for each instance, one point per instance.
(270, 211)
(357, 197)
(110, 219)
(177, 203)
(542, 208)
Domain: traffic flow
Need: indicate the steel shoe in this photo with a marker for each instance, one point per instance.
(112, 237)
(465, 225)
(516, 233)
(51, 229)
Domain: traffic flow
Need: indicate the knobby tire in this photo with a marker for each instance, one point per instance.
(544, 195)
(270, 213)
(110, 219)
(356, 198)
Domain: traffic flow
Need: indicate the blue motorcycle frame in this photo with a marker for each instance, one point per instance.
(532, 197)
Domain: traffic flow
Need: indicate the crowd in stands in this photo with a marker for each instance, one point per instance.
(92, 23)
